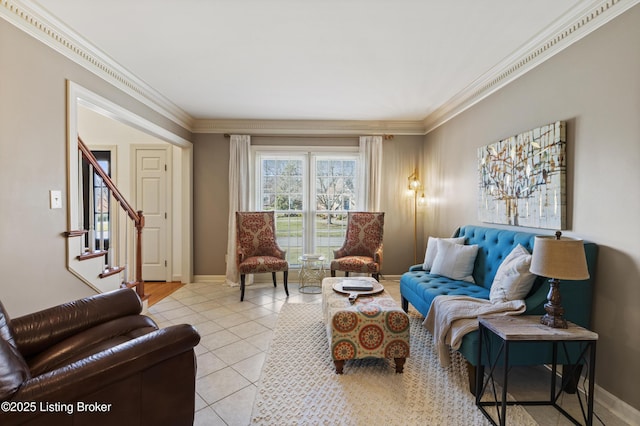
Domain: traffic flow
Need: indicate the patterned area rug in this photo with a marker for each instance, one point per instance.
(299, 386)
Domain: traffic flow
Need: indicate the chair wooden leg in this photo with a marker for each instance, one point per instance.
(241, 287)
(346, 274)
(333, 272)
(286, 288)
(376, 277)
(273, 276)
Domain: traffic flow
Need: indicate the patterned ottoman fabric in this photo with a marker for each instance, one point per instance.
(373, 326)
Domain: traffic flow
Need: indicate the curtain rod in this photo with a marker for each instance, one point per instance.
(385, 137)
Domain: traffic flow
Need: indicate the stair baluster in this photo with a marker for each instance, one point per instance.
(136, 217)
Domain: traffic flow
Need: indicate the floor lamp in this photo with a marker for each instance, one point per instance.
(414, 187)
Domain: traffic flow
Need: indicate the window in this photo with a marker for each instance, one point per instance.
(310, 192)
(96, 216)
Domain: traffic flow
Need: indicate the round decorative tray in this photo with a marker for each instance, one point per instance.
(311, 256)
(377, 288)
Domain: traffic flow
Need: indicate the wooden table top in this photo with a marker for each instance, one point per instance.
(529, 328)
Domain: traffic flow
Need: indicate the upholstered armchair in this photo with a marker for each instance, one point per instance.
(362, 248)
(96, 361)
(257, 249)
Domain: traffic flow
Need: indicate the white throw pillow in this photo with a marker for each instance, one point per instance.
(513, 280)
(455, 261)
(432, 250)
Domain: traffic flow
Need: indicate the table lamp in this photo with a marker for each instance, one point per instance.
(558, 258)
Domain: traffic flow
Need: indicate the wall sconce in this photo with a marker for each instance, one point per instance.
(414, 188)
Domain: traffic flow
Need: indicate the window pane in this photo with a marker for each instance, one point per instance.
(269, 184)
(309, 217)
(329, 233)
(268, 201)
(269, 167)
(281, 186)
(289, 235)
(335, 194)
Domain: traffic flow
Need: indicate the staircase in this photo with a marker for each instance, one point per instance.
(110, 256)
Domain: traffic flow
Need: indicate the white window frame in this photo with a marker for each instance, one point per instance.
(309, 154)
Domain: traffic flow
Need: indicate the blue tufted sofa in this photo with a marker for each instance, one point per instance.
(418, 287)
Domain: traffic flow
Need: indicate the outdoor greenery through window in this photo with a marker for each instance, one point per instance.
(311, 194)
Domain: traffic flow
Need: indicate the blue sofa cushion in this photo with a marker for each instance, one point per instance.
(425, 287)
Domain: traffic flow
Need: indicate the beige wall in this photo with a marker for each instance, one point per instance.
(595, 86)
(210, 203)
(33, 160)
(211, 199)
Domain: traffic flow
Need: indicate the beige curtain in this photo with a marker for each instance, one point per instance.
(239, 197)
(371, 152)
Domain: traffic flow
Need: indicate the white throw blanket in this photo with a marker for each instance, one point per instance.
(451, 317)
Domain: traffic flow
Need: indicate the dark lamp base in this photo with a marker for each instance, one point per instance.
(553, 321)
(555, 312)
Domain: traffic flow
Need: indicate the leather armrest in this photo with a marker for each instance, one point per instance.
(39, 330)
(90, 374)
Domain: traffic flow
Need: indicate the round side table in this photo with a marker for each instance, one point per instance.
(311, 273)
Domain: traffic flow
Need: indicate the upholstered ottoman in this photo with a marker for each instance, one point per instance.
(372, 326)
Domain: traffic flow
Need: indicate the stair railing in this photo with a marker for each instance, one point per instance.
(136, 216)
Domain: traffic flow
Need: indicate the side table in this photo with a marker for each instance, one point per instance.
(527, 328)
(311, 273)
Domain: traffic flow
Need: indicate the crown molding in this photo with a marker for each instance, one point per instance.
(40, 24)
(585, 18)
(556, 37)
(309, 127)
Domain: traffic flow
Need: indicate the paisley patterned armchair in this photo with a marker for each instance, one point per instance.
(257, 249)
(362, 248)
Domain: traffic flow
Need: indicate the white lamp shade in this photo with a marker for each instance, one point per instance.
(562, 258)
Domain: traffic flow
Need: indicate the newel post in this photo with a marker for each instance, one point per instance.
(139, 281)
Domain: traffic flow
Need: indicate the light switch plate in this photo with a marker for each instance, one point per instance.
(55, 199)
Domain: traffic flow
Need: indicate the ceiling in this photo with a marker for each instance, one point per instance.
(312, 60)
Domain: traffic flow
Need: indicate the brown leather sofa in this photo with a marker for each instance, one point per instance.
(96, 361)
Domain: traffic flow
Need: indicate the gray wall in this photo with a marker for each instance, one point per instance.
(211, 200)
(33, 160)
(595, 86)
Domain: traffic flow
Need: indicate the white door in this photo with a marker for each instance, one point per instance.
(151, 198)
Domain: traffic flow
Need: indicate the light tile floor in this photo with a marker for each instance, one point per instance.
(236, 335)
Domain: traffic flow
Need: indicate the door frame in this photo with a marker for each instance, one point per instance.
(79, 95)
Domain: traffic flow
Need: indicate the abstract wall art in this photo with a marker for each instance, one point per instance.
(522, 179)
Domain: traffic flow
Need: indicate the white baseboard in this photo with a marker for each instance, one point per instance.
(612, 403)
(618, 407)
(391, 277)
(209, 278)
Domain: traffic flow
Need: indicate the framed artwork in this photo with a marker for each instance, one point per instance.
(522, 179)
